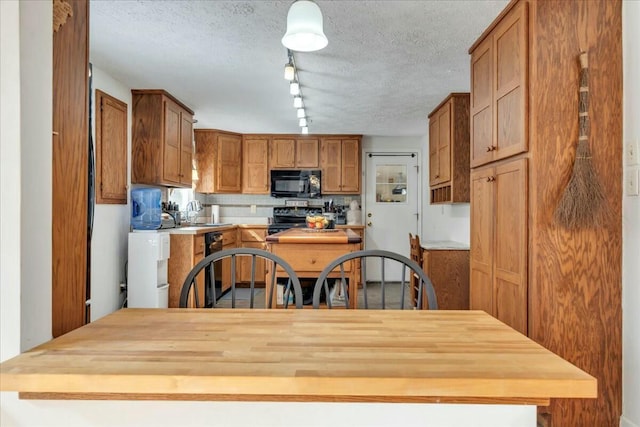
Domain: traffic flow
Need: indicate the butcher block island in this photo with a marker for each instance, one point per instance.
(309, 251)
(393, 356)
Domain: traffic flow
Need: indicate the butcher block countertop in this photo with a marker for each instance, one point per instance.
(311, 235)
(296, 355)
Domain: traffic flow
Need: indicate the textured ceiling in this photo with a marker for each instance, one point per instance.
(387, 65)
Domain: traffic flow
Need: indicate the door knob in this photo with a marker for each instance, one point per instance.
(369, 223)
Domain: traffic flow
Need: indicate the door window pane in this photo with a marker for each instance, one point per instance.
(391, 183)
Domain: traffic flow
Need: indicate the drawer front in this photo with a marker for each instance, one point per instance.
(253, 234)
(302, 258)
(198, 247)
(229, 237)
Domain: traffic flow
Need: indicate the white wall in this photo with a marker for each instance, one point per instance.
(10, 218)
(439, 222)
(29, 292)
(35, 169)
(111, 222)
(631, 223)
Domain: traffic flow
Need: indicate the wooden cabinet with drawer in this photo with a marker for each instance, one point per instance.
(252, 238)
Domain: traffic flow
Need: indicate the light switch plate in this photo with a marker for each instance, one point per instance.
(631, 178)
(631, 152)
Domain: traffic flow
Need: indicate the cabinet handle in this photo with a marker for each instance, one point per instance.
(494, 148)
(491, 178)
(489, 148)
(437, 176)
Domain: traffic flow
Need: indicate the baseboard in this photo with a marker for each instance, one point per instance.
(625, 422)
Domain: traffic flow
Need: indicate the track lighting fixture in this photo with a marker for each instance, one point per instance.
(289, 68)
(294, 88)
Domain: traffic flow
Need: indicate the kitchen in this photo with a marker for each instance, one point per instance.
(102, 252)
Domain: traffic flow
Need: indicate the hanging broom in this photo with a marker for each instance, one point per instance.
(581, 203)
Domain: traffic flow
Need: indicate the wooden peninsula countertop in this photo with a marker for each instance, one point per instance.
(296, 355)
(311, 235)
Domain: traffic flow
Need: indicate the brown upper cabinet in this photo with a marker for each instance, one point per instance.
(340, 164)
(294, 153)
(161, 140)
(449, 150)
(219, 161)
(111, 149)
(499, 90)
(255, 164)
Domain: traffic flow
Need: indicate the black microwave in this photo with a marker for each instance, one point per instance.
(304, 184)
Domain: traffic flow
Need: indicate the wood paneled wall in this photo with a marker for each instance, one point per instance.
(70, 169)
(575, 276)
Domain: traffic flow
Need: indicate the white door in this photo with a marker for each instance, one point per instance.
(391, 206)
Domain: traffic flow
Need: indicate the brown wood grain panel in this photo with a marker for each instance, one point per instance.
(575, 277)
(482, 240)
(180, 263)
(307, 153)
(434, 134)
(171, 153)
(228, 163)
(255, 165)
(351, 168)
(282, 153)
(444, 143)
(111, 149)
(448, 270)
(205, 147)
(460, 160)
(70, 170)
(186, 148)
(481, 107)
(330, 156)
(146, 138)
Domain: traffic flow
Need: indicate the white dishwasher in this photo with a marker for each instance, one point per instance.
(147, 279)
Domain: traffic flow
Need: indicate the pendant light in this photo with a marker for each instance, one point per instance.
(297, 102)
(304, 27)
(294, 88)
(303, 122)
(301, 113)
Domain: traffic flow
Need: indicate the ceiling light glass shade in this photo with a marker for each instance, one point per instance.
(294, 88)
(301, 113)
(297, 102)
(305, 130)
(304, 27)
(303, 122)
(289, 71)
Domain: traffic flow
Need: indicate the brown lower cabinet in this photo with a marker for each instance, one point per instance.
(186, 251)
(448, 270)
(252, 238)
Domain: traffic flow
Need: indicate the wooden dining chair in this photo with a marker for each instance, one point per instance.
(416, 256)
(198, 292)
(386, 285)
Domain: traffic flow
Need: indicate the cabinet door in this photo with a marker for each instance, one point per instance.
(171, 158)
(282, 153)
(444, 144)
(228, 163)
(510, 250)
(205, 157)
(350, 168)
(331, 161)
(434, 134)
(245, 264)
(255, 166)
(307, 153)
(481, 252)
(186, 148)
(510, 90)
(481, 108)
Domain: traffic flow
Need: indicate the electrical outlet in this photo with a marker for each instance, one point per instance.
(253, 209)
(347, 200)
(631, 178)
(631, 152)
